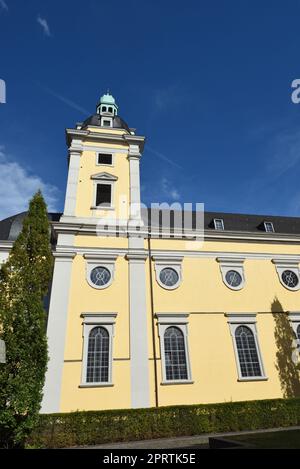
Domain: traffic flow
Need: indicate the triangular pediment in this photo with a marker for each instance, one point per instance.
(104, 176)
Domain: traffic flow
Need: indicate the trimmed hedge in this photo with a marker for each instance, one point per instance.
(96, 427)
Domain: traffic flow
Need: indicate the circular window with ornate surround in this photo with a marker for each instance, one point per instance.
(233, 278)
(169, 277)
(100, 276)
(290, 278)
(168, 271)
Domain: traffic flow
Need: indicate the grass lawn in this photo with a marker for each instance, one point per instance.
(289, 439)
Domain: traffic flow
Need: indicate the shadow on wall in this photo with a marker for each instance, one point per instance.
(288, 371)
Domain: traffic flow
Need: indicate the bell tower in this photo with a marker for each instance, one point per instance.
(104, 160)
(101, 228)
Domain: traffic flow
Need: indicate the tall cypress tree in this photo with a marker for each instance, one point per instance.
(24, 282)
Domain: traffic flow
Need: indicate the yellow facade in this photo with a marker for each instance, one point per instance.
(136, 301)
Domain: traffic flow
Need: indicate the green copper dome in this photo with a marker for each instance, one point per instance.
(107, 105)
(107, 99)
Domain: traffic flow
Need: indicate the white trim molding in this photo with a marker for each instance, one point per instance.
(228, 264)
(287, 264)
(56, 330)
(103, 260)
(171, 262)
(249, 320)
(90, 321)
(294, 318)
(180, 321)
(104, 177)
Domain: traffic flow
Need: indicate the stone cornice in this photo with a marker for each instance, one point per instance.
(103, 136)
(89, 226)
(6, 245)
(136, 256)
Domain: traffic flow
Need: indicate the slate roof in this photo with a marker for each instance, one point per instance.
(11, 226)
(232, 221)
(94, 120)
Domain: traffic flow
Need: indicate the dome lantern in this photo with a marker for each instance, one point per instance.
(107, 105)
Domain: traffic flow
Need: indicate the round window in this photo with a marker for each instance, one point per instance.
(169, 277)
(289, 278)
(233, 278)
(100, 276)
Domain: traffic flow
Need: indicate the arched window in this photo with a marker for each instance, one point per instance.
(98, 356)
(247, 352)
(298, 332)
(175, 356)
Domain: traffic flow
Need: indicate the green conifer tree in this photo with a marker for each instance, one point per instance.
(24, 283)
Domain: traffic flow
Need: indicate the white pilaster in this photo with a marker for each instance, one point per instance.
(73, 173)
(56, 331)
(138, 326)
(135, 190)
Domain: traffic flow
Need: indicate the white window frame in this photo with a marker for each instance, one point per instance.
(227, 264)
(222, 223)
(107, 118)
(90, 321)
(287, 264)
(179, 320)
(103, 178)
(266, 223)
(108, 261)
(162, 262)
(105, 152)
(294, 318)
(249, 320)
(103, 207)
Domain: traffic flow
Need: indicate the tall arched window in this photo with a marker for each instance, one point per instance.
(98, 356)
(247, 352)
(175, 356)
(298, 333)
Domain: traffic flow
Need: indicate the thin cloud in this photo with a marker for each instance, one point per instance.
(20, 186)
(3, 5)
(44, 24)
(163, 157)
(64, 100)
(285, 153)
(166, 98)
(169, 190)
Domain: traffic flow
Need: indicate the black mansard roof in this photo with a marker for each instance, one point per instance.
(10, 227)
(94, 120)
(233, 222)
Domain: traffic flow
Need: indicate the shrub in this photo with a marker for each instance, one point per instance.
(107, 426)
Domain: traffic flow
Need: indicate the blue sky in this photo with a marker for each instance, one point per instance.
(207, 82)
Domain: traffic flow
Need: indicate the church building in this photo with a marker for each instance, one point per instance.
(143, 314)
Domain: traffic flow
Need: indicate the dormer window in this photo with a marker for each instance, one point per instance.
(106, 122)
(219, 224)
(269, 228)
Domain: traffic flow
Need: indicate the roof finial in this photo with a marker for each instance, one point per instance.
(107, 91)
